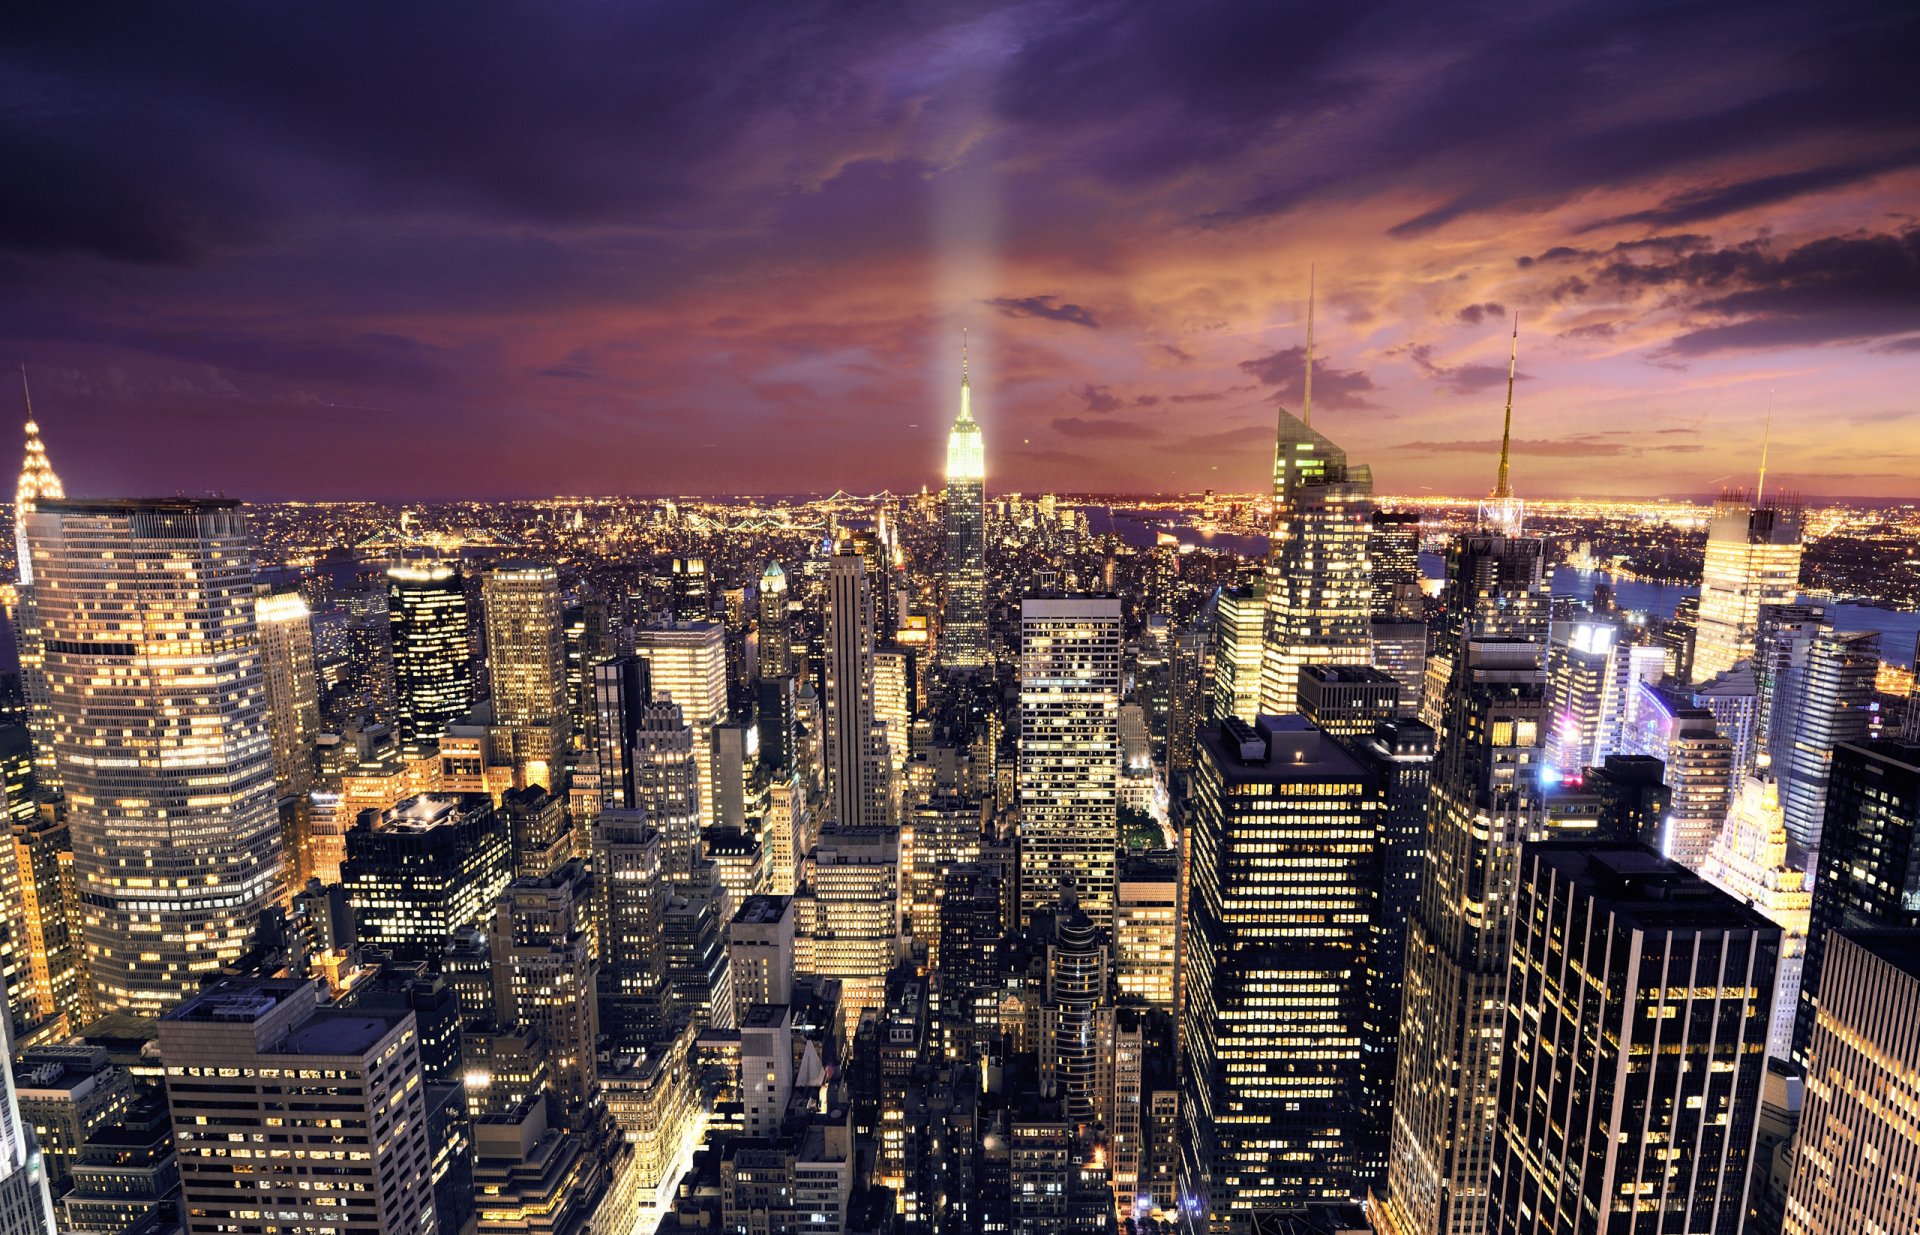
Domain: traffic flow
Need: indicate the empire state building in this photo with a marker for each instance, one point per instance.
(963, 636)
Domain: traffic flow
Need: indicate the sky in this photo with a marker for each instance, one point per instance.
(433, 250)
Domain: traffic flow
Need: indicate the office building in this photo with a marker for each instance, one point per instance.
(1699, 766)
(692, 590)
(1733, 698)
(293, 689)
(177, 843)
(1633, 1106)
(760, 950)
(1146, 928)
(687, 666)
(1486, 801)
(622, 690)
(545, 976)
(666, 773)
(420, 870)
(1856, 1159)
(1749, 862)
(1752, 559)
(963, 632)
(1868, 870)
(527, 667)
(852, 922)
(1069, 752)
(341, 1086)
(1319, 592)
(775, 624)
(1239, 643)
(1580, 690)
(1279, 939)
(630, 904)
(430, 631)
(858, 772)
(1347, 701)
(1393, 556)
(1834, 705)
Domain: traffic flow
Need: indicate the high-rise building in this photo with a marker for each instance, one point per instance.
(853, 928)
(1069, 752)
(666, 785)
(1637, 1007)
(430, 628)
(1486, 801)
(775, 625)
(37, 483)
(293, 688)
(858, 775)
(1786, 635)
(1278, 944)
(145, 621)
(26, 1201)
(1347, 701)
(1239, 643)
(342, 1086)
(760, 950)
(621, 692)
(545, 975)
(423, 869)
(1076, 1015)
(1834, 705)
(687, 665)
(1146, 928)
(1868, 871)
(1319, 593)
(630, 905)
(1749, 862)
(527, 667)
(1699, 767)
(1752, 559)
(692, 590)
(1393, 555)
(963, 632)
(1856, 1160)
(1580, 678)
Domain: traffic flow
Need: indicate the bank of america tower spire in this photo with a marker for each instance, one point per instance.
(963, 638)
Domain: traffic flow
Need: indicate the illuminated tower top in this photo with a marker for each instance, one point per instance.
(1503, 512)
(966, 451)
(37, 482)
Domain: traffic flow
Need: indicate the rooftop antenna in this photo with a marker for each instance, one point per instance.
(1503, 486)
(1766, 439)
(1306, 400)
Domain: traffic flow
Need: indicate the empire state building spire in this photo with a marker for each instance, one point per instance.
(1502, 511)
(963, 635)
(37, 482)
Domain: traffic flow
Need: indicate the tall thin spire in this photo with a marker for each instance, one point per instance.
(37, 481)
(966, 390)
(1503, 486)
(1306, 398)
(1766, 439)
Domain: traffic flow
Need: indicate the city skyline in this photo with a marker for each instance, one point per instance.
(652, 279)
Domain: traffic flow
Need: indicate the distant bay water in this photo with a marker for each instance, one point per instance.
(1898, 629)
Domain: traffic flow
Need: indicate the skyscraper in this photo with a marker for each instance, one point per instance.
(1637, 1007)
(687, 665)
(775, 624)
(1486, 802)
(1752, 559)
(622, 690)
(692, 590)
(1393, 554)
(963, 633)
(145, 619)
(1749, 862)
(431, 633)
(419, 871)
(527, 667)
(852, 933)
(630, 907)
(857, 773)
(1279, 938)
(1069, 752)
(1833, 706)
(1853, 1164)
(37, 484)
(293, 688)
(1868, 872)
(666, 785)
(1699, 768)
(1239, 643)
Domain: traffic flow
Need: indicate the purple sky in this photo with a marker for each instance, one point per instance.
(426, 250)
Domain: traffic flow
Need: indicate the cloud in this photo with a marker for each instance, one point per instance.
(1108, 430)
(1459, 379)
(1044, 307)
(1098, 398)
(1284, 370)
(1715, 201)
(1474, 314)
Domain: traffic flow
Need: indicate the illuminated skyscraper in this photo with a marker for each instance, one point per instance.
(1279, 935)
(418, 871)
(1853, 1162)
(527, 666)
(963, 634)
(1833, 705)
(1393, 554)
(666, 785)
(145, 618)
(775, 624)
(432, 637)
(37, 483)
(544, 973)
(622, 689)
(630, 906)
(1239, 642)
(1636, 1015)
(852, 921)
(1699, 768)
(857, 771)
(1753, 559)
(687, 665)
(1486, 802)
(692, 590)
(1749, 862)
(293, 688)
(1069, 752)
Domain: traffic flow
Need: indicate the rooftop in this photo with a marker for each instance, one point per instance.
(1640, 887)
(1277, 750)
(1898, 948)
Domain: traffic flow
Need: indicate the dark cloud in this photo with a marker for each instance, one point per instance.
(1459, 379)
(1146, 400)
(1284, 370)
(1177, 355)
(1474, 314)
(1044, 307)
(1715, 201)
(1098, 398)
(1110, 430)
